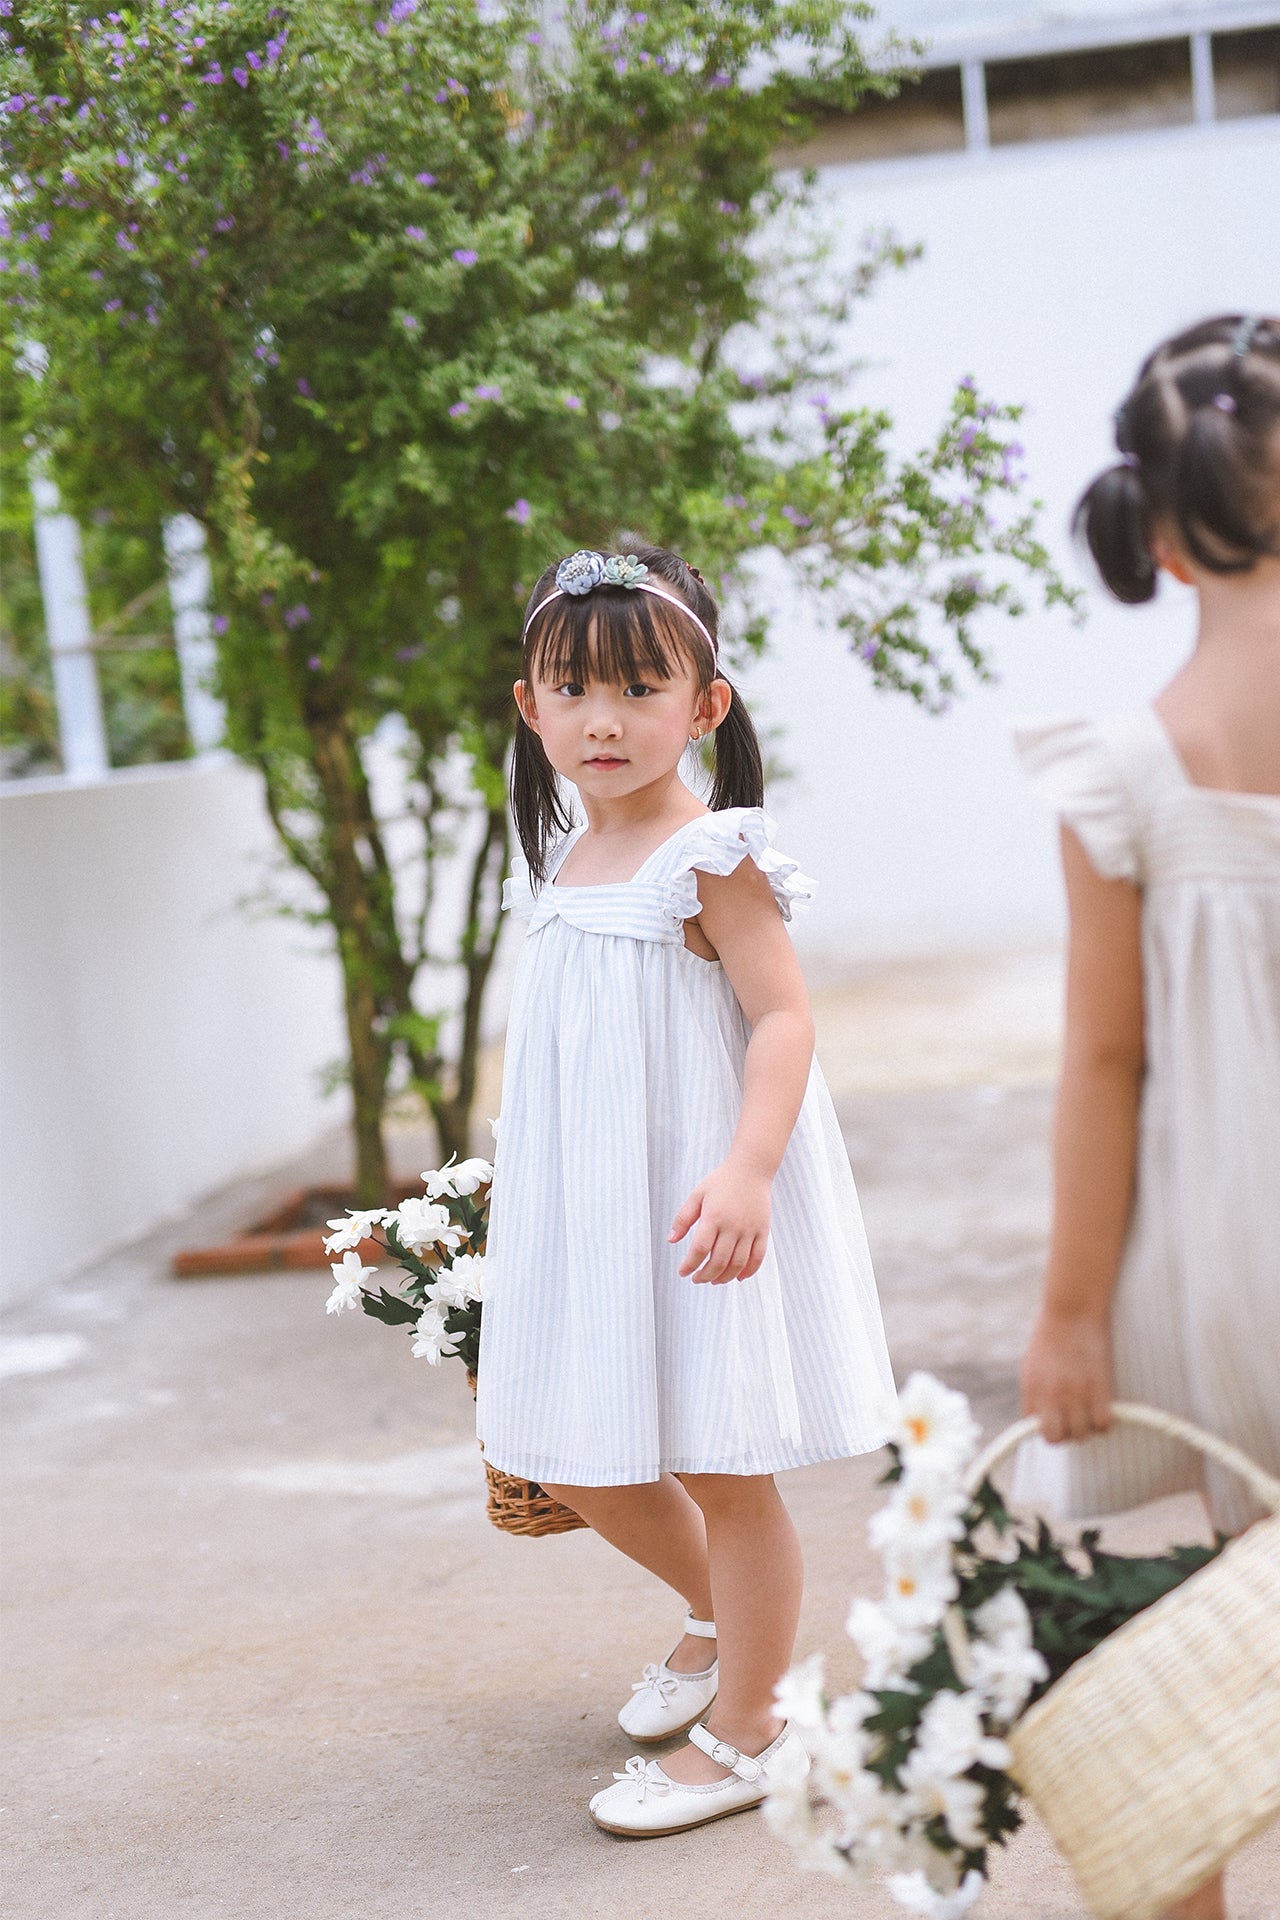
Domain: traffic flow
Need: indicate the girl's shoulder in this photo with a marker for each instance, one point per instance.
(718, 843)
(1101, 776)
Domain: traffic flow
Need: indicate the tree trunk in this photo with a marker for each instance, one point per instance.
(478, 947)
(362, 911)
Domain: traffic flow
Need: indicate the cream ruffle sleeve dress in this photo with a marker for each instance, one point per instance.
(1196, 1311)
(600, 1365)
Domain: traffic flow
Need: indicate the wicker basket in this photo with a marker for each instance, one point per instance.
(522, 1506)
(1158, 1754)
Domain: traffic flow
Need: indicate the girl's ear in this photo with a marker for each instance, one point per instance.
(714, 704)
(1167, 555)
(527, 704)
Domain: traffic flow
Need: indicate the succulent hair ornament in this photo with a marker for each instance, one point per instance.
(583, 572)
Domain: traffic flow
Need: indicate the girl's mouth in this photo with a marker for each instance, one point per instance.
(606, 760)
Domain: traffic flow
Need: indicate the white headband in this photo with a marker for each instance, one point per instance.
(582, 572)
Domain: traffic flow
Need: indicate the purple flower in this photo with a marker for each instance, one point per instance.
(465, 256)
(415, 233)
(869, 649)
(728, 206)
(112, 306)
(403, 8)
(794, 515)
(521, 512)
(968, 383)
(719, 80)
(314, 663)
(425, 179)
(122, 159)
(488, 393)
(458, 408)
(408, 653)
(254, 60)
(410, 322)
(297, 616)
(225, 224)
(967, 436)
(304, 388)
(619, 65)
(220, 623)
(214, 77)
(125, 243)
(240, 75)
(534, 39)
(573, 402)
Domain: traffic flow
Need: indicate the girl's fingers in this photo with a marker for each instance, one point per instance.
(685, 1218)
(759, 1247)
(699, 1248)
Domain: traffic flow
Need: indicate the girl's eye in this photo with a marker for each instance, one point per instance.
(572, 689)
(637, 691)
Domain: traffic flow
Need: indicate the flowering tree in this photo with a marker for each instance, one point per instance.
(399, 300)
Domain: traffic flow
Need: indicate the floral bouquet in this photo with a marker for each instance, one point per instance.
(910, 1781)
(438, 1241)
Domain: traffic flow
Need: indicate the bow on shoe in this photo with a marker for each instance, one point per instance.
(644, 1782)
(664, 1684)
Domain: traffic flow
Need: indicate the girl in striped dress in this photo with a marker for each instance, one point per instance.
(1163, 1281)
(680, 1301)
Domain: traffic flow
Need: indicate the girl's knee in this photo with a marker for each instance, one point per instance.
(727, 1493)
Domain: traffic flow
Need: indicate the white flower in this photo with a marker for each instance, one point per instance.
(1004, 1663)
(912, 1891)
(951, 1736)
(358, 1225)
(349, 1273)
(799, 1693)
(430, 1341)
(419, 1224)
(887, 1645)
(920, 1581)
(958, 1800)
(460, 1284)
(934, 1427)
(924, 1510)
(451, 1182)
(788, 1812)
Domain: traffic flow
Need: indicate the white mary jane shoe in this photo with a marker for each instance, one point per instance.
(664, 1703)
(644, 1804)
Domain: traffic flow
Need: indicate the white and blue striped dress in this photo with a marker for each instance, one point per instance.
(599, 1364)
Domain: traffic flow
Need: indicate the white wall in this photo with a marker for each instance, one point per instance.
(1048, 273)
(155, 1041)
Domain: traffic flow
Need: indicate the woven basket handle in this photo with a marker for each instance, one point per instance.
(1133, 1414)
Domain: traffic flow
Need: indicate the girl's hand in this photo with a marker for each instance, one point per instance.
(1066, 1375)
(729, 1214)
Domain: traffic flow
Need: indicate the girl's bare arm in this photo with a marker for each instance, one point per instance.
(740, 919)
(1066, 1370)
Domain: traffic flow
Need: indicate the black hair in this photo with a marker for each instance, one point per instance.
(1200, 456)
(623, 635)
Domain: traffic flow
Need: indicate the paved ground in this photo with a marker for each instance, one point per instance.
(266, 1659)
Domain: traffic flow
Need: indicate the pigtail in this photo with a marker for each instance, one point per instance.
(738, 775)
(1197, 437)
(537, 803)
(1113, 516)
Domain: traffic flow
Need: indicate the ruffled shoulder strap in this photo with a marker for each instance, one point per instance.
(1080, 770)
(517, 889)
(719, 843)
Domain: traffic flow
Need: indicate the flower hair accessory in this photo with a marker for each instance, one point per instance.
(583, 572)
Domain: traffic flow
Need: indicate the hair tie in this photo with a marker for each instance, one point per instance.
(1224, 402)
(1130, 460)
(1242, 339)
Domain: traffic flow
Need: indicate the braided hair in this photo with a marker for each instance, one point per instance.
(1199, 440)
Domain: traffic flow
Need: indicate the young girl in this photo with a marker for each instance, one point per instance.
(681, 1299)
(1163, 1280)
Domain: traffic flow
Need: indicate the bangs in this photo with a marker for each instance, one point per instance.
(619, 637)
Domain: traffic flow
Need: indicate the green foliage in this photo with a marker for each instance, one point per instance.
(129, 609)
(402, 302)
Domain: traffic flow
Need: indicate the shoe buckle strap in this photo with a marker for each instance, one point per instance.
(700, 1629)
(742, 1764)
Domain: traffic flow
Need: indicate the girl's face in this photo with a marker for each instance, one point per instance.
(612, 741)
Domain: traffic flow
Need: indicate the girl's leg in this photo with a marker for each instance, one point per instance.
(1208, 1902)
(658, 1526)
(757, 1578)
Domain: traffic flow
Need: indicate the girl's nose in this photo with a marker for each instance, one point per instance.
(604, 722)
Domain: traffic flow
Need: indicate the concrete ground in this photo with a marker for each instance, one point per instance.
(266, 1660)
